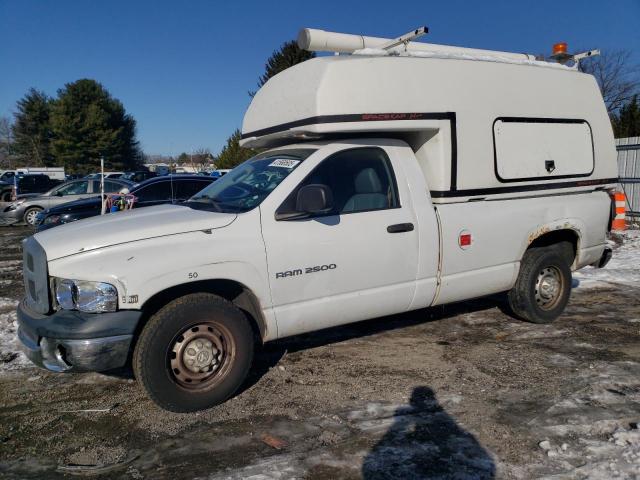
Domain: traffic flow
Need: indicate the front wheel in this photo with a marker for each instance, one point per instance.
(543, 287)
(30, 216)
(194, 353)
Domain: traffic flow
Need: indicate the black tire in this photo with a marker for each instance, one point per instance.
(161, 355)
(29, 216)
(6, 196)
(532, 298)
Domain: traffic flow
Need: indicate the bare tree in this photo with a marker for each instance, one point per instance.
(201, 158)
(617, 77)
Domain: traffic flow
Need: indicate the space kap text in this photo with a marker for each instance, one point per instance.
(301, 271)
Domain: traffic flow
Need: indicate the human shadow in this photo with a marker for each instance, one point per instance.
(425, 442)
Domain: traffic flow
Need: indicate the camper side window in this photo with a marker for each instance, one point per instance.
(361, 180)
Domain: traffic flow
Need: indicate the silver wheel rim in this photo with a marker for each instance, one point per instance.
(549, 287)
(31, 217)
(201, 356)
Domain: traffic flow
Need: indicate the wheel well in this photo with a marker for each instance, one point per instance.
(566, 238)
(235, 292)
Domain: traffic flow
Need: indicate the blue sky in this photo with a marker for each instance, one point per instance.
(183, 68)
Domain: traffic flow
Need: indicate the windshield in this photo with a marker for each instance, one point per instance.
(247, 185)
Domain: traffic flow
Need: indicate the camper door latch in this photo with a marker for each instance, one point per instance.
(549, 165)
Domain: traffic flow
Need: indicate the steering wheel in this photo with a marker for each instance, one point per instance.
(239, 191)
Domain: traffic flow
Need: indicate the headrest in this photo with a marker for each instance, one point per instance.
(367, 181)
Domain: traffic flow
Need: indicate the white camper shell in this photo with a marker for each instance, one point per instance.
(479, 128)
(387, 183)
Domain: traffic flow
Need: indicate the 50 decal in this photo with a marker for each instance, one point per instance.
(300, 271)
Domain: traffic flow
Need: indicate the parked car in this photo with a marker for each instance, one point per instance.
(55, 173)
(26, 207)
(37, 183)
(220, 172)
(397, 182)
(73, 176)
(139, 176)
(155, 191)
(106, 175)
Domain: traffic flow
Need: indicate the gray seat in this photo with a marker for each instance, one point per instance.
(369, 193)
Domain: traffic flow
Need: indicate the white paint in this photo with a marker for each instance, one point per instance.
(478, 92)
(370, 272)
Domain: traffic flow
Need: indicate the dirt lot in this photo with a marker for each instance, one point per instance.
(456, 392)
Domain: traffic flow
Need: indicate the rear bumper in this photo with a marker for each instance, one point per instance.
(606, 256)
(74, 341)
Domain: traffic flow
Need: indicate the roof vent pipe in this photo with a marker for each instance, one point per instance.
(321, 41)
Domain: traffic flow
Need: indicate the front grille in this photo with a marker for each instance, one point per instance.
(34, 271)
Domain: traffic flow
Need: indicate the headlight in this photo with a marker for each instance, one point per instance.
(90, 297)
(16, 204)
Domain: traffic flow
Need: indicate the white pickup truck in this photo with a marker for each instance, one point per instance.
(388, 183)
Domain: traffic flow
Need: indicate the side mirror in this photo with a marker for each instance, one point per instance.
(311, 200)
(314, 199)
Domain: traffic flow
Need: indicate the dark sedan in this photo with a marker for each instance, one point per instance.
(155, 191)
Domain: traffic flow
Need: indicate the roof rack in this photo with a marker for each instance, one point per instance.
(322, 41)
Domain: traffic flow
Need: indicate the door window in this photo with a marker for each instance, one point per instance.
(111, 186)
(186, 189)
(361, 180)
(159, 191)
(75, 188)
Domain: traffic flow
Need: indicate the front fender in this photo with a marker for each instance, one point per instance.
(144, 268)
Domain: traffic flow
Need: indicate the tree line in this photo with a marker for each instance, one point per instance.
(73, 130)
(84, 122)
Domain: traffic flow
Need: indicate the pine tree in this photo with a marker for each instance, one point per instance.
(290, 54)
(32, 130)
(232, 153)
(87, 123)
(627, 122)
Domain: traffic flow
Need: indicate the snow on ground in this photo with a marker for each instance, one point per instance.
(623, 268)
(593, 433)
(10, 354)
(7, 266)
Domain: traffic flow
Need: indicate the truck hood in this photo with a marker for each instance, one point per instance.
(123, 227)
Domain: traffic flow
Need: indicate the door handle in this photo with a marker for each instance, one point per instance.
(549, 165)
(400, 227)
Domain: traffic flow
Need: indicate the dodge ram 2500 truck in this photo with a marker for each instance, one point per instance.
(388, 183)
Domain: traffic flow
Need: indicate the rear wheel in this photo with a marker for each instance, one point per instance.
(194, 353)
(30, 216)
(6, 196)
(543, 287)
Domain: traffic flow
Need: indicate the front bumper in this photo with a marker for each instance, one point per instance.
(11, 217)
(69, 341)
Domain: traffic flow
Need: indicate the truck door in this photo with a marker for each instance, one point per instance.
(358, 261)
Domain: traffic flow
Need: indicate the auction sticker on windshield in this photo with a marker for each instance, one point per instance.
(284, 163)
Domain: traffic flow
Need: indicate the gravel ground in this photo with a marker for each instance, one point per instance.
(457, 392)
